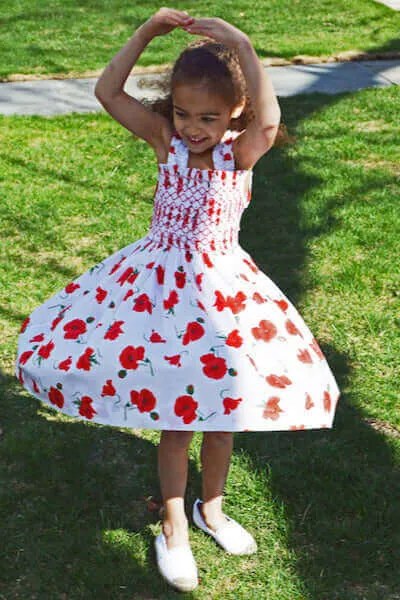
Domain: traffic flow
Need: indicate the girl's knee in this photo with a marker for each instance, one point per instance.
(177, 440)
(219, 438)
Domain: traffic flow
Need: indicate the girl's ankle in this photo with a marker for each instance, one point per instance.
(176, 533)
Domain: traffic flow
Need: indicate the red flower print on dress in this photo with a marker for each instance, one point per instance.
(185, 407)
(172, 299)
(206, 259)
(272, 410)
(73, 329)
(280, 381)
(258, 298)
(304, 356)
(327, 401)
(236, 303)
(37, 338)
(194, 331)
(86, 359)
(130, 356)
(108, 389)
(180, 278)
(117, 265)
(71, 287)
(283, 305)
(114, 330)
(155, 338)
(143, 303)
(65, 365)
(46, 350)
(266, 330)
(86, 409)
(144, 400)
(291, 328)
(234, 339)
(251, 265)
(230, 404)
(35, 387)
(25, 356)
(128, 275)
(309, 403)
(24, 325)
(128, 294)
(314, 345)
(215, 366)
(160, 272)
(56, 322)
(198, 280)
(20, 376)
(100, 294)
(174, 360)
(56, 397)
(297, 427)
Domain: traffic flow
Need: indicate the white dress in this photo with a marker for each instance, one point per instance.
(180, 329)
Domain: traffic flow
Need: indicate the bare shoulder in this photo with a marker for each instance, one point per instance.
(252, 144)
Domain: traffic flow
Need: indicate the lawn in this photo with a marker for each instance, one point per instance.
(70, 37)
(323, 223)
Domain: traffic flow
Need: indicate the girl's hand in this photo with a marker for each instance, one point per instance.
(167, 19)
(218, 29)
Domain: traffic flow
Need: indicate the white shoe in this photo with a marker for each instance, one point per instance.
(176, 565)
(233, 538)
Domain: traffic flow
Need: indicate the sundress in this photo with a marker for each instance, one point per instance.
(180, 330)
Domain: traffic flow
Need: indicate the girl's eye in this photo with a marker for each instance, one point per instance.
(182, 116)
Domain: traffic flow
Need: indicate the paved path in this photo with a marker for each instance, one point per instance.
(58, 96)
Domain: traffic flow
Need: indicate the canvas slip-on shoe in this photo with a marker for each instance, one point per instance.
(176, 565)
(233, 538)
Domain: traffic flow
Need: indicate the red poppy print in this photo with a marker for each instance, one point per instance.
(71, 287)
(25, 356)
(251, 265)
(194, 331)
(283, 305)
(234, 339)
(65, 365)
(24, 325)
(155, 338)
(230, 404)
(86, 408)
(100, 294)
(73, 329)
(128, 275)
(56, 322)
(45, 350)
(174, 360)
(272, 409)
(180, 278)
(258, 298)
(327, 401)
(108, 389)
(309, 403)
(280, 381)
(142, 303)
(86, 360)
(56, 397)
(117, 265)
(215, 367)
(114, 331)
(304, 356)
(160, 272)
(265, 331)
(37, 338)
(144, 400)
(314, 345)
(130, 357)
(171, 301)
(185, 407)
(291, 328)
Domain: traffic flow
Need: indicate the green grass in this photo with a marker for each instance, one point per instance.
(39, 37)
(323, 223)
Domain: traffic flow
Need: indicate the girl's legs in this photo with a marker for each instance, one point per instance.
(216, 452)
(172, 471)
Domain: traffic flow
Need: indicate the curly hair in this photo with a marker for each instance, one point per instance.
(218, 67)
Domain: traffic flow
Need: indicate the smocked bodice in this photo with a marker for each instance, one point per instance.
(200, 208)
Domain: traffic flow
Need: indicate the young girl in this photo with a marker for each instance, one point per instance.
(180, 331)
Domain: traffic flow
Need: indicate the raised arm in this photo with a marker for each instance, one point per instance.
(125, 109)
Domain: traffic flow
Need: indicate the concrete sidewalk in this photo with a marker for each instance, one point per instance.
(59, 96)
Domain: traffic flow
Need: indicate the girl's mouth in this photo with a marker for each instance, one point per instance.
(196, 141)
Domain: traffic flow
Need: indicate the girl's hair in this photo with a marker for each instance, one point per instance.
(218, 68)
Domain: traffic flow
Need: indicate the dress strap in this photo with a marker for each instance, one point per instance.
(223, 158)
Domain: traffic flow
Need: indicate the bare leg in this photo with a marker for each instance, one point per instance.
(216, 452)
(172, 471)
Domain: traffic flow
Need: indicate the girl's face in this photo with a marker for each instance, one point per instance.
(200, 117)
